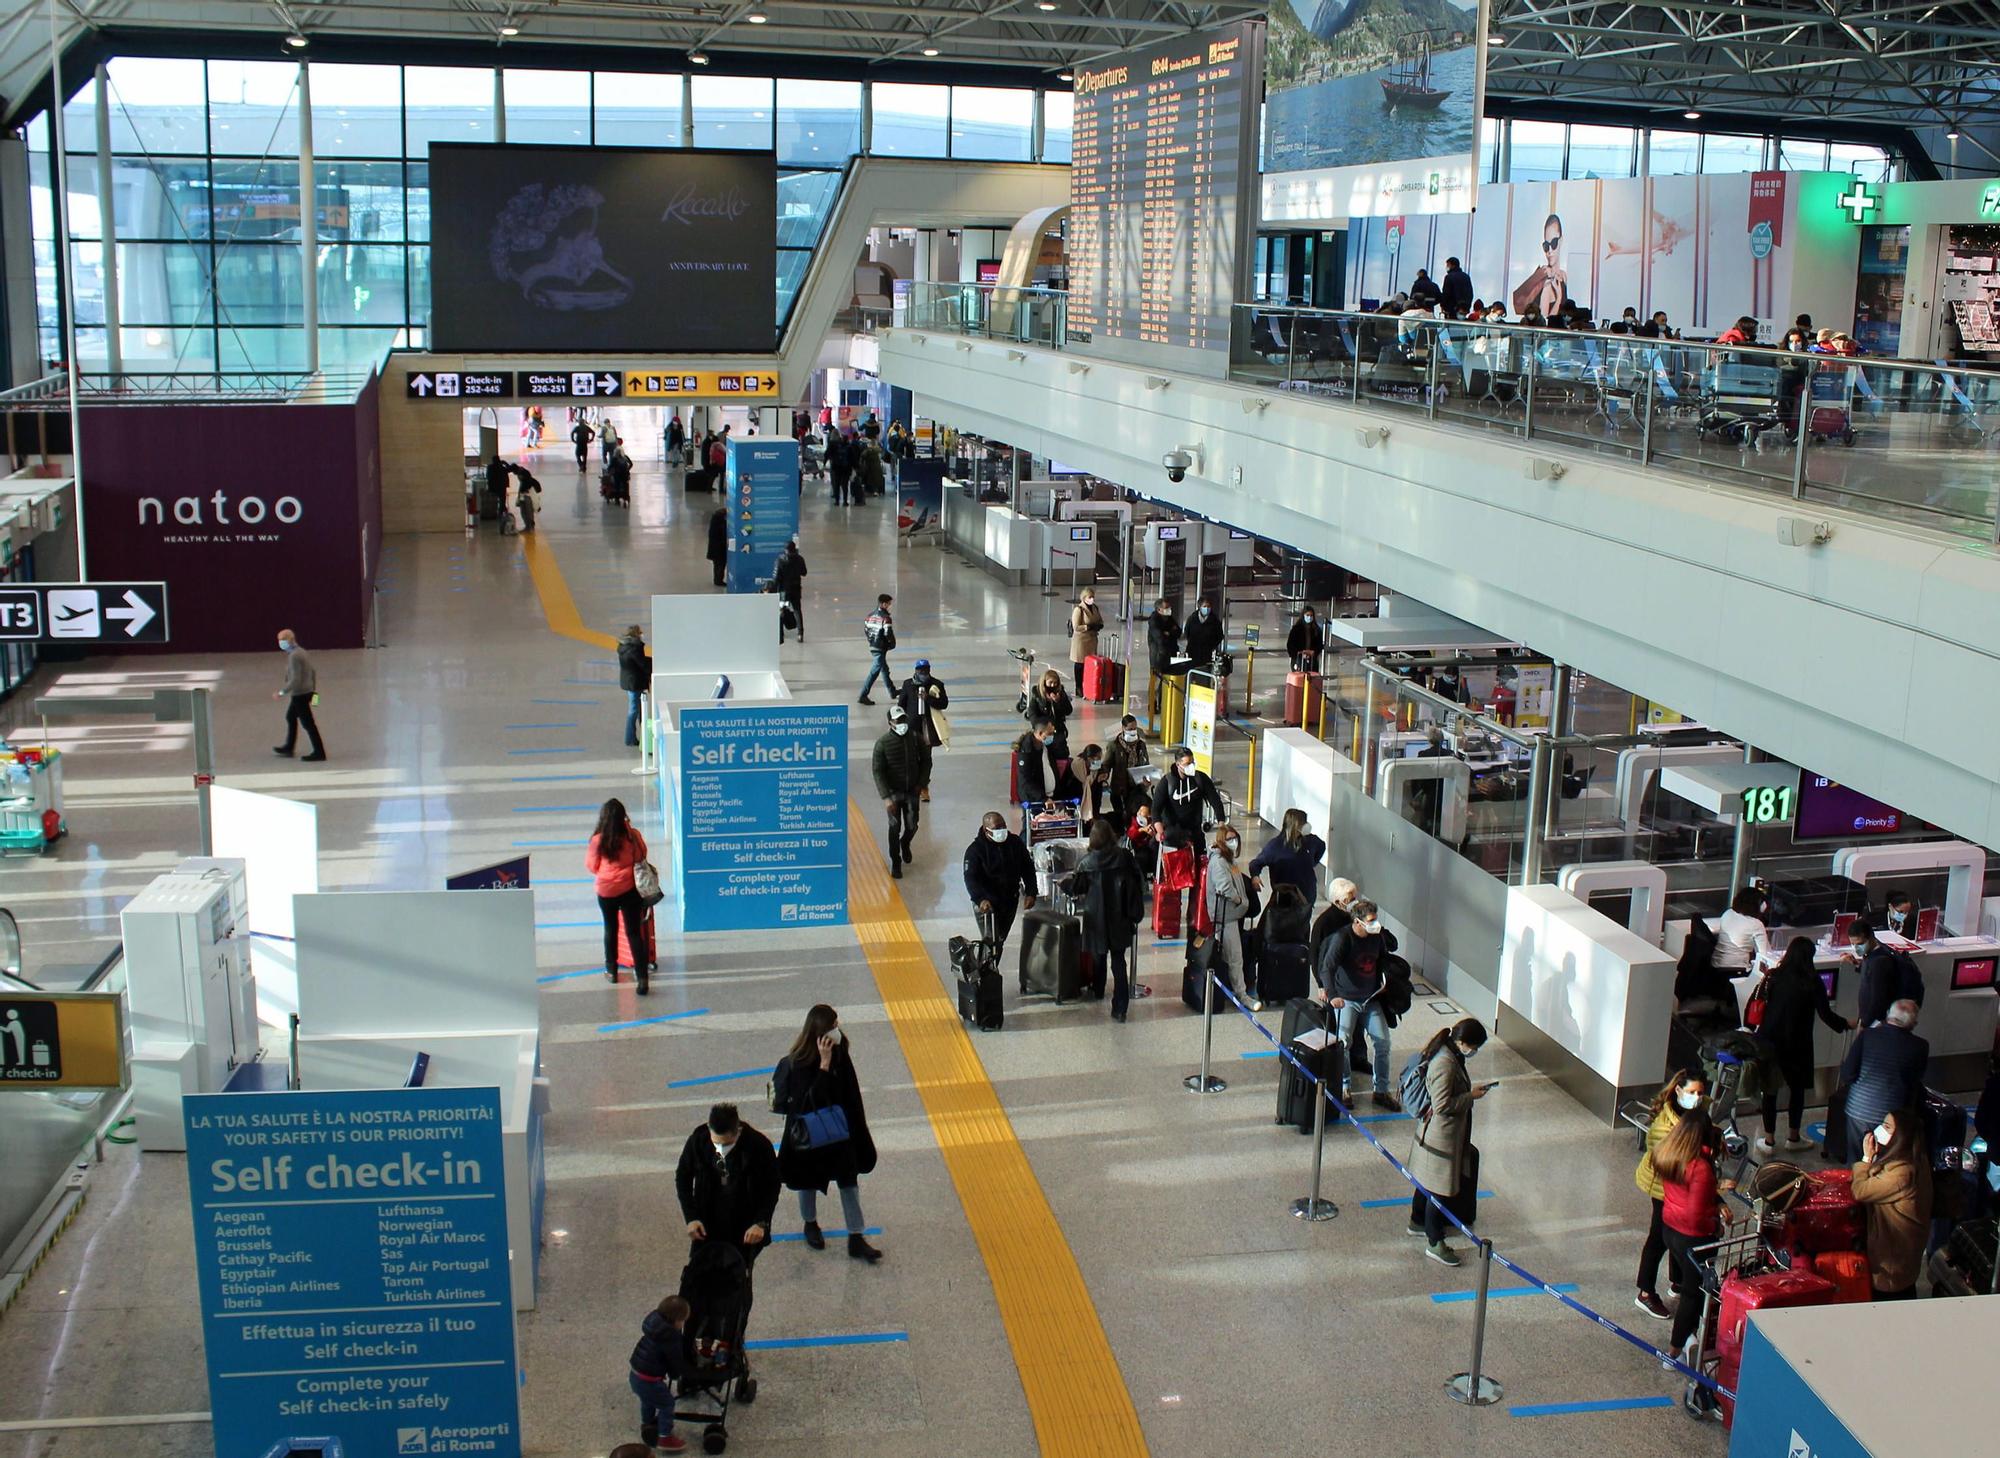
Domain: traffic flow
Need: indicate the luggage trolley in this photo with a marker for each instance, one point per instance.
(31, 800)
(1830, 404)
(1741, 1249)
(1740, 404)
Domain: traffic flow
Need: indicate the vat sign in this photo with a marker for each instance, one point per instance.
(84, 612)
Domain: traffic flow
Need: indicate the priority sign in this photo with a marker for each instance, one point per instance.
(84, 612)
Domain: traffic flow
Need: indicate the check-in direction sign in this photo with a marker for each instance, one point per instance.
(84, 612)
(600, 382)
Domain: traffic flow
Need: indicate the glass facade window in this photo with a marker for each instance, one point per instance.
(1797, 154)
(992, 123)
(253, 108)
(819, 122)
(1601, 151)
(446, 104)
(1723, 153)
(547, 106)
(357, 111)
(1673, 154)
(1489, 149)
(1058, 124)
(635, 110)
(360, 202)
(732, 111)
(909, 121)
(157, 107)
(1871, 164)
(1535, 150)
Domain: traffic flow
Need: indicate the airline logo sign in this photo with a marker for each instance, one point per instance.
(699, 384)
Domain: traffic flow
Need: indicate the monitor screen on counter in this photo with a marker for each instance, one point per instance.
(1968, 974)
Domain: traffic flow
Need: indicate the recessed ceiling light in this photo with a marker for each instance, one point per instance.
(1692, 115)
(510, 30)
(697, 58)
(1952, 135)
(1045, 4)
(296, 41)
(930, 50)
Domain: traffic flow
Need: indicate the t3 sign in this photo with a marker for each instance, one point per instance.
(85, 612)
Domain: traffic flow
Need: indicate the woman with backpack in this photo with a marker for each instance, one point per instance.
(826, 1140)
(1443, 1160)
(1114, 903)
(613, 857)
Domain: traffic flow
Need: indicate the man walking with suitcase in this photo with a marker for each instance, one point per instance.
(999, 875)
(301, 684)
(898, 764)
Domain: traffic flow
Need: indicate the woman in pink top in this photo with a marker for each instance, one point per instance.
(615, 850)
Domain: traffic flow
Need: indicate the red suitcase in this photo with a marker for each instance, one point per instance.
(1013, 778)
(1827, 1218)
(1848, 1270)
(1167, 912)
(625, 946)
(1743, 1295)
(1301, 689)
(1101, 679)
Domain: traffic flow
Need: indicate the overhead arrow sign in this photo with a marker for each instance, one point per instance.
(418, 385)
(112, 613)
(608, 384)
(136, 613)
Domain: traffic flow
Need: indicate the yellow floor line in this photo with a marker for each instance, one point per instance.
(1076, 1394)
(553, 589)
(1075, 1391)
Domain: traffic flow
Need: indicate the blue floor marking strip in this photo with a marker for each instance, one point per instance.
(1378, 1118)
(546, 809)
(1404, 1200)
(533, 844)
(567, 976)
(1259, 1053)
(648, 1022)
(564, 881)
(719, 1077)
(1615, 1404)
(1176, 942)
(553, 749)
(829, 1233)
(566, 925)
(856, 1339)
(545, 779)
(1495, 1293)
(571, 725)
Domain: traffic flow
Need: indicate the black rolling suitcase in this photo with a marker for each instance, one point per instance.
(1051, 954)
(976, 965)
(1284, 972)
(1194, 973)
(1296, 1093)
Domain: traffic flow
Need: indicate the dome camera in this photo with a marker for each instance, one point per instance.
(1179, 462)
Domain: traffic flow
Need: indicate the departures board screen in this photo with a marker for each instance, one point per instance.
(1163, 167)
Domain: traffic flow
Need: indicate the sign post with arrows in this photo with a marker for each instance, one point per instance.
(110, 613)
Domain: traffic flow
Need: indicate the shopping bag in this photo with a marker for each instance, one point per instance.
(943, 727)
(646, 881)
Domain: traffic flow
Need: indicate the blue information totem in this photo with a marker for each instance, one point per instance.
(762, 837)
(763, 496)
(351, 1249)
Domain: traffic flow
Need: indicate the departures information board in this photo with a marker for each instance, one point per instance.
(1163, 168)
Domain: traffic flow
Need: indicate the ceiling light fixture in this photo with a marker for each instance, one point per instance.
(1045, 4)
(930, 50)
(1952, 135)
(510, 30)
(296, 41)
(697, 58)
(1692, 115)
(1065, 75)
(757, 17)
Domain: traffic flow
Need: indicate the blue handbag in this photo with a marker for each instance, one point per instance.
(821, 1127)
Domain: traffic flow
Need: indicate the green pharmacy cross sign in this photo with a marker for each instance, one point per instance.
(1859, 202)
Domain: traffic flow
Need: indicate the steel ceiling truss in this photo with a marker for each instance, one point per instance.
(1873, 61)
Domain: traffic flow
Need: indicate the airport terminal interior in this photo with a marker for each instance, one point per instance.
(1091, 728)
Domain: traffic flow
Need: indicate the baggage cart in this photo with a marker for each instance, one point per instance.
(31, 802)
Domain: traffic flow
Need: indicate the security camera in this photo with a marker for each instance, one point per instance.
(1179, 461)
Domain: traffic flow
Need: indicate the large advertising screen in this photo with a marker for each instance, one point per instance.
(1164, 145)
(634, 250)
(1375, 104)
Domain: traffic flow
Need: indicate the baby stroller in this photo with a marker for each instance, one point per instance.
(812, 458)
(716, 1285)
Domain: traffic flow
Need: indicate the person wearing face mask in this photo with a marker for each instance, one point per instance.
(301, 682)
(727, 1181)
(1127, 754)
(1228, 894)
(1292, 857)
(1892, 1185)
(1882, 1072)
(1050, 704)
(1442, 1160)
(1306, 643)
(1886, 974)
(1690, 1212)
(1113, 905)
(921, 698)
(817, 1074)
(1685, 1095)
(1793, 995)
(1185, 800)
(1898, 914)
(1142, 838)
(1742, 940)
(900, 763)
(1163, 645)
(1094, 779)
(1085, 623)
(1041, 769)
(1204, 634)
(1351, 975)
(999, 875)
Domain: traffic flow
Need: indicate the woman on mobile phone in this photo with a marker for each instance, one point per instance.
(816, 1077)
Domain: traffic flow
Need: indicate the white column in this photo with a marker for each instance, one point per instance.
(1039, 134)
(60, 178)
(867, 118)
(499, 106)
(687, 110)
(107, 207)
(308, 224)
(921, 269)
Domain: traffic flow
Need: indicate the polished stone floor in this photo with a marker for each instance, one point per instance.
(1235, 1328)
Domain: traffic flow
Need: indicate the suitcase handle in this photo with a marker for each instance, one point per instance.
(983, 921)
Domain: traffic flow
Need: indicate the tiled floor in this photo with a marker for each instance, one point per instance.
(1236, 1328)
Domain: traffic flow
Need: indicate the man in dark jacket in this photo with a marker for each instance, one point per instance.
(789, 577)
(999, 874)
(1886, 975)
(1351, 974)
(869, 478)
(1163, 645)
(718, 541)
(727, 1181)
(839, 464)
(635, 676)
(1128, 763)
(1883, 1072)
(1457, 289)
(899, 763)
(1424, 292)
(528, 497)
(581, 435)
(1203, 635)
(920, 697)
(497, 472)
(1185, 800)
(1039, 772)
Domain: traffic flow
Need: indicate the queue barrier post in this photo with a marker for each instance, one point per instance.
(1312, 1207)
(648, 747)
(1475, 1388)
(1204, 1082)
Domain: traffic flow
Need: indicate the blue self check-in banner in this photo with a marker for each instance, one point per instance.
(351, 1248)
(763, 816)
(762, 489)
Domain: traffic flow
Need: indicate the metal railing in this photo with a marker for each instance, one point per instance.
(1908, 442)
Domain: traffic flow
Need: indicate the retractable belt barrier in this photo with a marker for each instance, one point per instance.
(1472, 1387)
